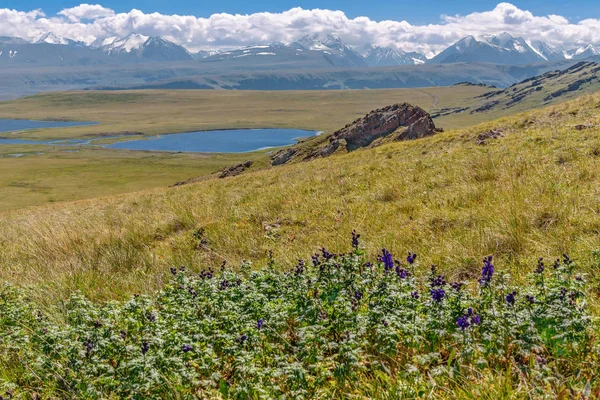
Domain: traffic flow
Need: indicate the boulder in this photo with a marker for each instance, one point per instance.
(392, 123)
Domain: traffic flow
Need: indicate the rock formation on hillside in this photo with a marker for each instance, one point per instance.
(221, 174)
(392, 123)
(235, 170)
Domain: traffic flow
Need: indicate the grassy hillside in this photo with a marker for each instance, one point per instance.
(520, 188)
(59, 175)
(549, 88)
(532, 191)
(50, 174)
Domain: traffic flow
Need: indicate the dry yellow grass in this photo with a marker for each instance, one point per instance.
(534, 192)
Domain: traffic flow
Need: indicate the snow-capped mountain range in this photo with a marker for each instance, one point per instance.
(506, 49)
(311, 51)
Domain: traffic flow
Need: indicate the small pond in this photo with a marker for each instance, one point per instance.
(12, 125)
(222, 141)
(219, 141)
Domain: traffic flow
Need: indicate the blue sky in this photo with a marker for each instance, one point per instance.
(415, 12)
(430, 26)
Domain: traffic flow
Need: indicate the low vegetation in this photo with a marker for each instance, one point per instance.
(518, 188)
(335, 327)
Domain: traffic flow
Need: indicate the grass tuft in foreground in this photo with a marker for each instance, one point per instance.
(334, 327)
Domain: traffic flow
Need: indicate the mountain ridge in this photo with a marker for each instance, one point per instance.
(318, 50)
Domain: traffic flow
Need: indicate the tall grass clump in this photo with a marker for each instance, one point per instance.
(334, 327)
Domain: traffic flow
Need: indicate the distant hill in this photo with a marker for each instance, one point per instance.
(548, 88)
(408, 76)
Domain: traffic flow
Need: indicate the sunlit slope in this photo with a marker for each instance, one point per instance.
(540, 91)
(532, 191)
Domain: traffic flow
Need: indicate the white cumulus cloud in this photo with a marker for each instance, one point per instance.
(86, 11)
(87, 22)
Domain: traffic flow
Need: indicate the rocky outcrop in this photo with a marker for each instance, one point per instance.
(392, 123)
(485, 137)
(224, 173)
(235, 170)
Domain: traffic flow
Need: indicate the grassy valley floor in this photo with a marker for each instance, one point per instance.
(531, 192)
(60, 175)
(519, 188)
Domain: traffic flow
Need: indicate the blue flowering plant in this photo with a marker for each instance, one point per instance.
(337, 324)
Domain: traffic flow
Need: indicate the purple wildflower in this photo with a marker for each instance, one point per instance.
(241, 339)
(358, 295)
(463, 322)
(510, 298)
(387, 259)
(411, 258)
(326, 254)
(487, 271)
(260, 323)
(207, 274)
(563, 293)
(415, 295)
(457, 285)
(530, 299)
(300, 268)
(401, 272)
(315, 260)
(476, 319)
(225, 284)
(385, 323)
(438, 294)
(438, 281)
(89, 345)
(186, 348)
(123, 334)
(355, 237)
(174, 271)
(145, 347)
(540, 266)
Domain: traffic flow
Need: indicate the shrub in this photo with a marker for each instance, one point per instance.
(328, 327)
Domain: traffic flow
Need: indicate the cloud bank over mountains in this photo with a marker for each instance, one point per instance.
(88, 22)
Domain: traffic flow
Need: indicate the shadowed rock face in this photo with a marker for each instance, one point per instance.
(392, 123)
(235, 170)
(385, 122)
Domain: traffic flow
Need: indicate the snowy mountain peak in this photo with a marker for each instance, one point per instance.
(503, 39)
(500, 49)
(582, 52)
(389, 56)
(132, 42)
(318, 43)
(506, 41)
(53, 38)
